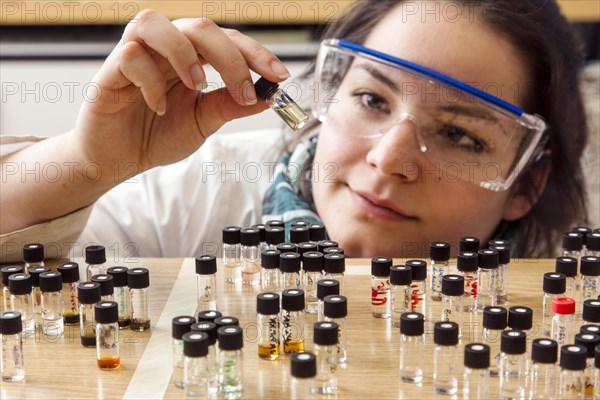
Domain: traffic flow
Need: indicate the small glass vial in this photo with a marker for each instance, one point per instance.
(572, 244)
(592, 244)
(325, 287)
(335, 310)
(469, 244)
(513, 364)
(281, 103)
(11, 326)
(107, 335)
(33, 255)
(6, 272)
(261, 234)
(502, 274)
(563, 320)
(289, 265)
(21, 300)
(299, 234)
(486, 278)
(213, 366)
(121, 295)
(520, 318)
(274, 235)
(572, 367)
(495, 320)
(306, 247)
(88, 294)
(52, 306)
(412, 347)
(589, 341)
(543, 373)
(70, 280)
(439, 255)
(591, 312)
(226, 321)
(418, 296)
(452, 299)
(36, 293)
(381, 299)
(467, 264)
(267, 319)
(107, 286)
(304, 370)
(568, 267)
(476, 378)
(292, 320)
(206, 280)
(445, 358)
(317, 232)
(325, 244)
(196, 369)
(179, 326)
(231, 254)
(312, 263)
(287, 247)
(554, 286)
(138, 281)
(325, 340)
(95, 257)
(270, 274)
(334, 266)
(250, 248)
(590, 277)
(400, 280)
(231, 362)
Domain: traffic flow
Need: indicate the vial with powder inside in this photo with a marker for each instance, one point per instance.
(281, 103)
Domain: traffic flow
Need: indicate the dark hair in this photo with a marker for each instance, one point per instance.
(547, 43)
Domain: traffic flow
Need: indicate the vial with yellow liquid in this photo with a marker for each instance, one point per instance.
(281, 103)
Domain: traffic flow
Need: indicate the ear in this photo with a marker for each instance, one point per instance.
(528, 190)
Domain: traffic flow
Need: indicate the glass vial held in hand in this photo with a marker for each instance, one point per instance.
(281, 103)
(70, 280)
(95, 257)
(11, 340)
(206, 279)
(138, 280)
(267, 319)
(121, 295)
(179, 326)
(107, 335)
(380, 287)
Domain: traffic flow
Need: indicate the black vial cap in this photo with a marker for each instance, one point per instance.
(335, 306)
(287, 247)
(567, 266)
(249, 237)
(304, 365)
(325, 333)
(495, 317)
(226, 321)
(69, 271)
(10, 323)
(439, 251)
(88, 292)
(267, 303)
(590, 266)
(572, 241)
(312, 261)
(289, 262)
(292, 300)
(554, 283)
(95, 254)
(106, 312)
(138, 278)
(503, 253)
(50, 281)
(333, 250)
(477, 355)
(334, 263)
(488, 259)
(544, 351)
(35, 274)
(520, 318)
(261, 231)
(181, 325)
(33, 253)
(206, 264)
(19, 284)
(317, 232)
(269, 258)
(209, 315)
(274, 235)
(499, 242)
(445, 333)
(380, 266)
(11, 270)
(264, 88)
(305, 247)
(275, 222)
(300, 222)
(467, 261)
(453, 285)
(591, 311)
(513, 342)
(107, 284)
(119, 275)
(592, 241)
(419, 269)
(195, 344)
(468, 243)
(597, 357)
(400, 275)
(412, 324)
(589, 341)
(299, 234)
(231, 234)
(573, 357)
(231, 337)
(590, 328)
(325, 287)
(584, 230)
(207, 327)
(323, 244)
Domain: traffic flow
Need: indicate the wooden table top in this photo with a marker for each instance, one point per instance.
(62, 368)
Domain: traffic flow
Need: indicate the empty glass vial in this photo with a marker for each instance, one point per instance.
(544, 373)
(12, 368)
(33, 255)
(513, 364)
(554, 286)
(325, 287)
(179, 326)
(95, 257)
(312, 263)
(231, 362)
(52, 306)
(335, 310)
(568, 267)
(292, 320)
(520, 318)
(592, 244)
(439, 254)
(304, 370)
(469, 244)
(231, 254)
(495, 320)
(476, 378)
(88, 294)
(452, 299)
(21, 300)
(325, 339)
(334, 266)
(274, 235)
(261, 234)
(380, 287)
(70, 280)
(270, 274)
(299, 234)
(121, 295)
(445, 357)
(412, 346)
(400, 280)
(107, 286)
(572, 367)
(572, 244)
(107, 335)
(267, 319)
(213, 365)
(196, 365)
(591, 312)
(486, 278)
(589, 341)
(467, 263)
(563, 320)
(502, 274)
(250, 250)
(138, 281)
(281, 103)
(6, 272)
(206, 282)
(418, 296)
(590, 277)
(36, 293)
(289, 264)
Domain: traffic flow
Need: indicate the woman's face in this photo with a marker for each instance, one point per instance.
(387, 197)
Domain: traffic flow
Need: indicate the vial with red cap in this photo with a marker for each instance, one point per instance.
(563, 320)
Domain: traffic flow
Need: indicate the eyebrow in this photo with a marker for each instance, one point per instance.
(375, 73)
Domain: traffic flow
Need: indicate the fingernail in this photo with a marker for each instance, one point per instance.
(162, 106)
(280, 69)
(198, 77)
(249, 93)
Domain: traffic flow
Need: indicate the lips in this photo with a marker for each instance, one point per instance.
(379, 207)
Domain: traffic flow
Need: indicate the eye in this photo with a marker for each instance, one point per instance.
(463, 139)
(372, 102)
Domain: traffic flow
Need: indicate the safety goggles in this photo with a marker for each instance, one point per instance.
(468, 133)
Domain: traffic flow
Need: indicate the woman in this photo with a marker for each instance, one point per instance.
(393, 189)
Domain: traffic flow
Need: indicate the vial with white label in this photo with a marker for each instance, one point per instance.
(563, 320)
(250, 250)
(513, 364)
(439, 255)
(335, 310)
(412, 346)
(107, 286)
(312, 263)
(21, 300)
(543, 373)
(206, 282)
(325, 338)
(554, 285)
(400, 281)
(572, 367)
(495, 320)
(270, 274)
(231, 254)
(281, 103)
(467, 264)
(267, 319)
(445, 357)
(70, 279)
(196, 371)
(290, 266)
(121, 295)
(138, 281)
(52, 306)
(476, 378)
(502, 273)
(418, 296)
(179, 326)
(231, 361)
(33, 255)
(380, 287)
(95, 257)
(486, 278)
(12, 368)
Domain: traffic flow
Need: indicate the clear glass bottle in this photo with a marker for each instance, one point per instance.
(6, 272)
(590, 278)
(36, 293)
(70, 280)
(467, 264)
(572, 367)
(107, 335)
(299, 234)
(334, 266)
(107, 286)
(495, 320)
(121, 294)
(289, 265)
(210, 329)
(452, 299)
(12, 368)
(292, 320)
(486, 278)
(261, 234)
(412, 347)
(513, 364)
(312, 263)
(418, 296)
(554, 286)
(270, 274)
(274, 235)
(381, 299)
(304, 370)
(280, 102)
(179, 326)
(568, 266)
(335, 310)
(325, 339)
(400, 280)
(589, 341)
(52, 306)
(33, 255)
(502, 273)
(250, 249)
(544, 373)
(563, 320)
(231, 254)
(196, 369)
(138, 281)
(95, 257)
(231, 362)
(476, 378)
(21, 300)
(325, 287)
(206, 282)
(88, 294)
(439, 255)
(445, 358)
(592, 244)
(267, 319)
